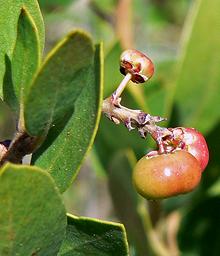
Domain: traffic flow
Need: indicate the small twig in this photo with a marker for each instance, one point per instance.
(154, 208)
(22, 145)
(117, 93)
(143, 122)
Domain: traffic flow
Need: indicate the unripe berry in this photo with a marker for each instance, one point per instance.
(166, 175)
(137, 64)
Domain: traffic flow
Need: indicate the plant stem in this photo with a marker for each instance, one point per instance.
(117, 93)
(154, 211)
(144, 122)
(22, 145)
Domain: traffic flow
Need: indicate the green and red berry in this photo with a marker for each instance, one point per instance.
(177, 170)
(166, 175)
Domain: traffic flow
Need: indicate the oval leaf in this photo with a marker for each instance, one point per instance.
(65, 147)
(86, 236)
(32, 218)
(25, 61)
(58, 83)
(10, 12)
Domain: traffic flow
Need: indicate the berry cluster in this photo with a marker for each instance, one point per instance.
(175, 171)
(182, 155)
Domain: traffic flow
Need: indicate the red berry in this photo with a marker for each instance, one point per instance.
(137, 64)
(190, 140)
(166, 175)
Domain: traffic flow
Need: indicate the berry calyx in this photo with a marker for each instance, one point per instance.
(166, 175)
(190, 140)
(137, 64)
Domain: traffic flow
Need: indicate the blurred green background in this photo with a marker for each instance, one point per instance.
(183, 40)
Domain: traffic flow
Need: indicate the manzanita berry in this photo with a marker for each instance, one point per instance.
(137, 64)
(166, 175)
(190, 140)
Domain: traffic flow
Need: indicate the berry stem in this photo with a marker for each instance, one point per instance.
(138, 68)
(143, 122)
(117, 93)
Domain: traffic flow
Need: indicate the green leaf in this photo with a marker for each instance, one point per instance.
(65, 148)
(59, 82)
(25, 60)
(199, 234)
(52, 4)
(197, 91)
(86, 236)
(32, 218)
(10, 12)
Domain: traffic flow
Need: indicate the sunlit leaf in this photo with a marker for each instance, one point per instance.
(86, 236)
(24, 63)
(10, 11)
(66, 145)
(32, 219)
(58, 83)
